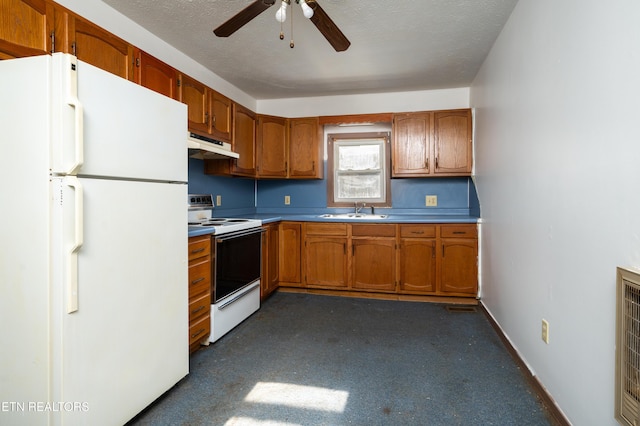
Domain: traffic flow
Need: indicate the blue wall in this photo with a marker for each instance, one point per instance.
(245, 196)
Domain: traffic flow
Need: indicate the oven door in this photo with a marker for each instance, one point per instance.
(237, 262)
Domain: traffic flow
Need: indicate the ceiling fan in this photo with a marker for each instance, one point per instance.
(311, 9)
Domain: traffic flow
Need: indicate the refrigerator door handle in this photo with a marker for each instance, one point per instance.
(72, 100)
(72, 265)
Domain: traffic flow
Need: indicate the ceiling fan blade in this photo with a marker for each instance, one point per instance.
(243, 17)
(328, 28)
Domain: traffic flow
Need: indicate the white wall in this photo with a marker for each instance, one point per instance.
(367, 103)
(558, 174)
(113, 21)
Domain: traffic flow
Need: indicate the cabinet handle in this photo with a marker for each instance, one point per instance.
(194, 282)
(443, 250)
(73, 49)
(197, 333)
(313, 166)
(197, 250)
(213, 120)
(433, 249)
(436, 163)
(206, 118)
(52, 36)
(459, 232)
(417, 232)
(198, 310)
(427, 164)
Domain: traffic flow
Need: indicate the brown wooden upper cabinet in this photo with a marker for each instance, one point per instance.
(154, 74)
(210, 113)
(289, 148)
(244, 142)
(306, 148)
(432, 143)
(271, 147)
(93, 45)
(26, 28)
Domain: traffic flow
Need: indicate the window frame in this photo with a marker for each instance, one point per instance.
(385, 167)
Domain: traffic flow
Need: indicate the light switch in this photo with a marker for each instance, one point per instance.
(218, 200)
(431, 200)
(287, 200)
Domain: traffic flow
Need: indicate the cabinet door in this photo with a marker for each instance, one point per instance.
(325, 262)
(269, 279)
(417, 260)
(459, 266)
(305, 148)
(244, 141)
(453, 142)
(290, 245)
(221, 116)
(411, 147)
(196, 96)
(271, 146)
(25, 28)
(154, 74)
(373, 264)
(98, 47)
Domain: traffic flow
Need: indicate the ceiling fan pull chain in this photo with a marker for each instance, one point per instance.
(291, 44)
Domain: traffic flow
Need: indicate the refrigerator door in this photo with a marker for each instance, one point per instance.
(125, 341)
(106, 126)
(24, 237)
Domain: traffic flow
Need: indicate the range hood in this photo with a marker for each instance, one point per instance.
(206, 148)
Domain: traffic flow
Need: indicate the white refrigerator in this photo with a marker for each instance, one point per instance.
(93, 244)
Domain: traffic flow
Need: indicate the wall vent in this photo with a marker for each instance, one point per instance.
(627, 409)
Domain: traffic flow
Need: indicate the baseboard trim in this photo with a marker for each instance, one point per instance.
(555, 415)
(383, 296)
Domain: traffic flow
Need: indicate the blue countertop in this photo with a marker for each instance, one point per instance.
(392, 218)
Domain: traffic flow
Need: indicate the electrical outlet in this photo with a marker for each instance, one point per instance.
(218, 200)
(287, 200)
(431, 200)
(545, 331)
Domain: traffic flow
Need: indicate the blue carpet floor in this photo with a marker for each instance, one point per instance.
(321, 360)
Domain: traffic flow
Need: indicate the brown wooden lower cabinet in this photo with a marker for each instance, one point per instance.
(402, 259)
(270, 260)
(290, 270)
(199, 291)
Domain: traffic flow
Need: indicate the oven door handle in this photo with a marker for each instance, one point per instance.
(238, 234)
(239, 296)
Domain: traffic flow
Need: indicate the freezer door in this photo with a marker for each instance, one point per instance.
(107, 126)
(122, 340)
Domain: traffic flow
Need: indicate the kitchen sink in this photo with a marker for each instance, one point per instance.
(353, 216)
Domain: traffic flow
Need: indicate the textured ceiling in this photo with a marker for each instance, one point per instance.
(397, 45)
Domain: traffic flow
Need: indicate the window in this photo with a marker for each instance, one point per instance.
(358, 169)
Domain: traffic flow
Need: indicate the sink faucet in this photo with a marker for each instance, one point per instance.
(356, 209)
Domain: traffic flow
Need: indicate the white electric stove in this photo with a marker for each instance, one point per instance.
(236, 245)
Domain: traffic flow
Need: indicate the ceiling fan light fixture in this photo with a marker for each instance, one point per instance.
(281, 14)
(306, 9)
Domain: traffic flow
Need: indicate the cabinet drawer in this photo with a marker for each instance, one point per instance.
(418, 231)
(326, 228)
(199, 246)
(373, 230)
(199, 307)
(459, 231)
(199, 330)
(199, 278)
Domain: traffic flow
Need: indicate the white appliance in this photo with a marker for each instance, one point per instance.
(236, 266)
(93, 244)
